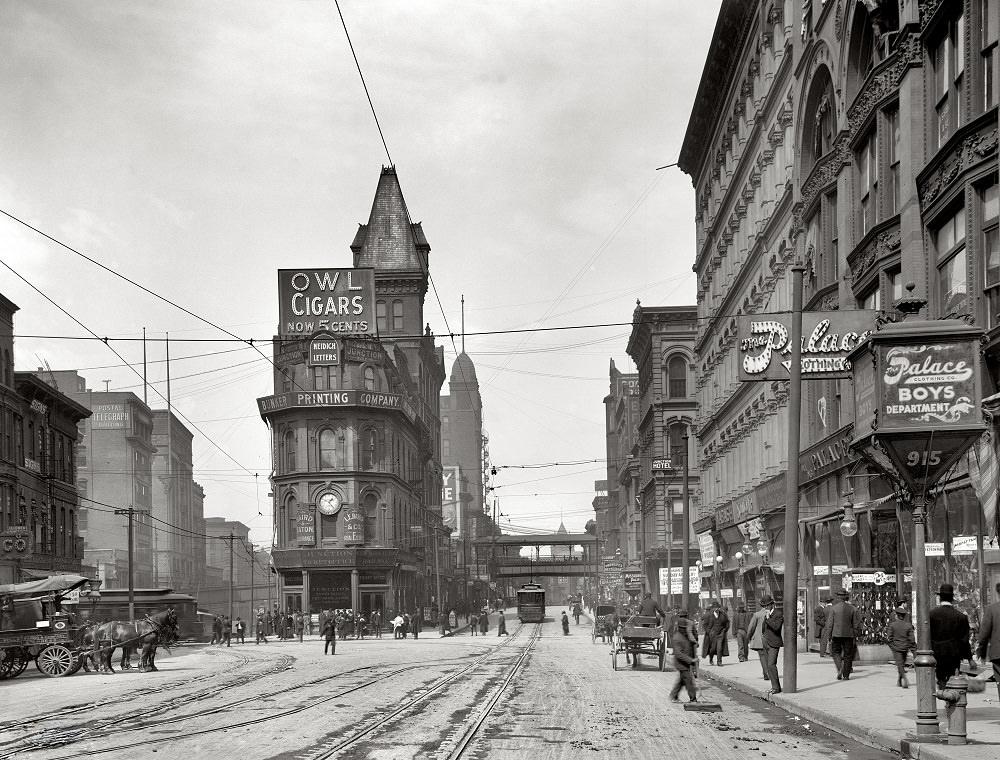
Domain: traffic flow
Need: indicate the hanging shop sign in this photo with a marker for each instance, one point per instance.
(633, 579)
(706, 546)
(661, 464)
(340, 301)
(921, 379)
(764, 344)
(934, 549)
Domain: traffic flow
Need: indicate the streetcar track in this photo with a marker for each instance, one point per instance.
(385, 720)
(47, 740)
(473, 729)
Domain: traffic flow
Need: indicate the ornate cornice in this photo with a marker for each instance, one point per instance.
(966, 153)
(873, 250)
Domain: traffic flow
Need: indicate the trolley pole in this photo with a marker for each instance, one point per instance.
(131, 513)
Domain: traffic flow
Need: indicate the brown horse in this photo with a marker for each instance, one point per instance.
(144, 635)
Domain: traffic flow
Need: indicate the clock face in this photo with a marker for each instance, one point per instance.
(329, 503)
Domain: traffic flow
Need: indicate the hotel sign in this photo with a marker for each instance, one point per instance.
(338, 301)
(765, 344)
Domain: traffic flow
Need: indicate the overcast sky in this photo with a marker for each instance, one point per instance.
(198, 147)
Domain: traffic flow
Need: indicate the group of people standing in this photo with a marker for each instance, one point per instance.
(223, 631)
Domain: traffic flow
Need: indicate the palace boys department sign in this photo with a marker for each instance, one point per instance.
(765, 343)
(917, 396)
(340, 301)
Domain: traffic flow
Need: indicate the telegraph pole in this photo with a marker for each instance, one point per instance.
(685, 532)
(231, 538)
(131, 513)
(253, 611)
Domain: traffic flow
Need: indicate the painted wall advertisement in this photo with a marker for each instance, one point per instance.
(340, 301)
(329, 590)
(676, 580)
(765, 345)
(109, 417)
(451, 503)
(354, 526)
(305, 527)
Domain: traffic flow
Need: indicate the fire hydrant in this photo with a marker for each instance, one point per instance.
(955, 694)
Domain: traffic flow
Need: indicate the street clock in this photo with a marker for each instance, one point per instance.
(329, 503)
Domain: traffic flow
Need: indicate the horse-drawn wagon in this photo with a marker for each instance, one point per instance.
(636, 636)
(604, 623)
(33, 626)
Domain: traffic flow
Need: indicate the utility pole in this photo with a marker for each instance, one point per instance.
(791, 581)
(131, 554)
(253, 612)
(231, 538)
(685, 531)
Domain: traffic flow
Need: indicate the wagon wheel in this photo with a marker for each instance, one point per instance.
(614, 655)
(55, 660)
(14, 662)
(663, 655)
(77, 664)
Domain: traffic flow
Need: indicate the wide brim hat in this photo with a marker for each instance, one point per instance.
(766, 600)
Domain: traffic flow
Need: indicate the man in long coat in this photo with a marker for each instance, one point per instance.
(843, 626)
(755, 635)
(949, 636)
(989, 637)
(717, 628)
(819, 619)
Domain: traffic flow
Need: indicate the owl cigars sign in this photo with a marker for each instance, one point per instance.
(340, 301)
(765, 344)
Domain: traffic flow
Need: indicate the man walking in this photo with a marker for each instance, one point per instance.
(261, 627)
(949, 636)
(755, 635)
(843, 625)
(740, 626)
(684, 641)
(717, 628)
(772, 623)
(227, 631)
(329, 636)
(376, 623)
(989, 637)
(899, 634)
(819, 619)
(241, 630)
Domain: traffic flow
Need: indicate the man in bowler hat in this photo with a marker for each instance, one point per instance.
(843, 626)
(949, 636)
(772, 623)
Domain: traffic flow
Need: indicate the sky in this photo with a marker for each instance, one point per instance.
(195, 148)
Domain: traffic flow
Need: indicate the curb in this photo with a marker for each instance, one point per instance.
(876, 738)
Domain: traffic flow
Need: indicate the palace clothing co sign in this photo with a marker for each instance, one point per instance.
(765, 344)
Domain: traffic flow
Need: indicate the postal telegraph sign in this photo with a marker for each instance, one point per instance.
(765, 344)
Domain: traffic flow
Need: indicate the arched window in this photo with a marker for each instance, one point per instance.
(332, 450)
(675, 436)
(819, 120)
(290, 451)
(369, 453)
(370, 384)
(677, 377)
(862, 56)
(371, 518)
(291, 516)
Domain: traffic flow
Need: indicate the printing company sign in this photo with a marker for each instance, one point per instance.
(340, 301)
(765, 344)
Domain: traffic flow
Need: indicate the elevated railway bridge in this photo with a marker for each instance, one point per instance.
(565, 560)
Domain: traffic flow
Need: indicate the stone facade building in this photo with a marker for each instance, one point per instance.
(859, 139)
(357, 442)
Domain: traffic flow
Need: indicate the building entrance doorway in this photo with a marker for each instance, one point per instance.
(371, 601)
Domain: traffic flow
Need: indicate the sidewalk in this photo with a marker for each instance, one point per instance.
(869, 707)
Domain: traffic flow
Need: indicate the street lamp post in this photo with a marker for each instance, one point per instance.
(894, 373)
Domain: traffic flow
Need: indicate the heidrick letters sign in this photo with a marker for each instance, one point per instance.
(765, 343)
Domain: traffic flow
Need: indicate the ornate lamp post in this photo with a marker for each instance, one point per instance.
(917, 410)
(93, 594)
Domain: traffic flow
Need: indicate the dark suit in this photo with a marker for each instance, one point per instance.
(949, 641)
(718, 627)
(989, 639)
(772, 645)
(843, 624)
(740, 626)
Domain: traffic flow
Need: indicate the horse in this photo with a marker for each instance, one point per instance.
(97, 659)
(146, 634)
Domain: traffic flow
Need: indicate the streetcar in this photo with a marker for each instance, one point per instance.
(531, 603)
(113, 605)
